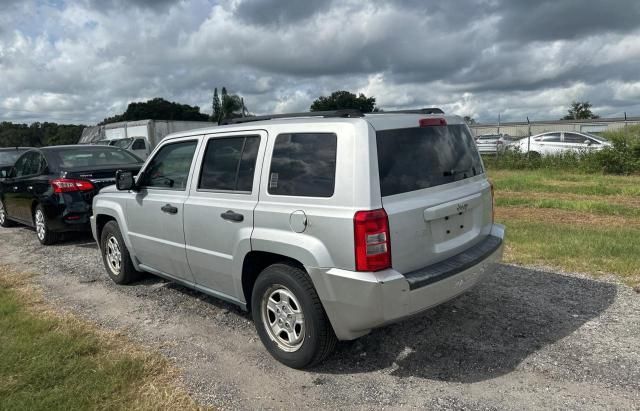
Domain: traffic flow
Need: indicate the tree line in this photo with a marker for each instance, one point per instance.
(38, 134)
(223, 105)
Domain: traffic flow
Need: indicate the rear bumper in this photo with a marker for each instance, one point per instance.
(357, 302)
(68, 212)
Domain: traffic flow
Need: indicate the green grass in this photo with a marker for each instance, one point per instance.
(588, 223)
(593, 250)
(552, 181)
(580, 206)
(54, 363)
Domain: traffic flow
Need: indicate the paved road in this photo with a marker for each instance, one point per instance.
(524, 339)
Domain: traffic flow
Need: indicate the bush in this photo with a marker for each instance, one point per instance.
(622, 158)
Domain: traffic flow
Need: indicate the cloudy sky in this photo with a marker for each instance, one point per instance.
(80, 61)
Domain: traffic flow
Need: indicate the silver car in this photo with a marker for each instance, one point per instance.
(323, 225)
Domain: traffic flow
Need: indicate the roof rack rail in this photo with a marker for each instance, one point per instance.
(429, 110)
(346, 113)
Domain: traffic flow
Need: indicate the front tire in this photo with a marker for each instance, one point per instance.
(43, 232)
(4, 221)
(289, 317)
(115, 255)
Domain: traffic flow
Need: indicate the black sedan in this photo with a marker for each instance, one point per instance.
(52, 188)
(8, 157)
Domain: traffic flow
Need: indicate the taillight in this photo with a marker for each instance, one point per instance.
(66, 185)
(372, 242)
(431, 122)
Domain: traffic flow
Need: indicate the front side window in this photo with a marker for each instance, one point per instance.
(169, 168)
(304, 164)
(551, 138)
(229, 164)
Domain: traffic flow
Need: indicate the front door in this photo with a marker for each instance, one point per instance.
(155, 214)
(218, 214)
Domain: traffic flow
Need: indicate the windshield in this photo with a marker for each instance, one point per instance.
(121, 143)
(411, 159)
(10, 156)
(79, 157)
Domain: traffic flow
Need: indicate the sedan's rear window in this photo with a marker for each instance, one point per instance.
(92, 156)
(411, 159)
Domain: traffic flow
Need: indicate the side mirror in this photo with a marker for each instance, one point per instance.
(588, 142)
(12, 172)
(124, 180)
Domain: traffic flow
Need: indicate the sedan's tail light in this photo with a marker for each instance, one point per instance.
(372, 242)
(66, 185)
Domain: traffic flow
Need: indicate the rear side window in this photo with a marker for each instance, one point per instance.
(304, 165)
(411, 159)
(229, 164)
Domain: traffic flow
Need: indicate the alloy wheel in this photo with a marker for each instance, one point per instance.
(41, 228)
(113, 255)
(283, 318)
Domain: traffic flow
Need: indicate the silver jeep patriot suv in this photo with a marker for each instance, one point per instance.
(324, 225)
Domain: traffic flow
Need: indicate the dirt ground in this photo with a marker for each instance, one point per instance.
(524, 339)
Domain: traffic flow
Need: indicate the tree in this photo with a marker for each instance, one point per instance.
(158, 109)
(469, 120)
(580, 110)
(216, 106)
(231, 106)
(344, 100)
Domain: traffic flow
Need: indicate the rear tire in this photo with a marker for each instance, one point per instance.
(289, 317)
(4, 221)
(43, 232)
(115, 255)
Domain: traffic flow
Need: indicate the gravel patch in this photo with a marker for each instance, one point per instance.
(525, 338)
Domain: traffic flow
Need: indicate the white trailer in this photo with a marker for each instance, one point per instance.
(139, 137)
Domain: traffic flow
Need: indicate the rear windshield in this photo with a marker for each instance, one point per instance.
(92, 156)
(411, 159)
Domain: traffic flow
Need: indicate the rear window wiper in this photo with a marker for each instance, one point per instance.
(452, 173)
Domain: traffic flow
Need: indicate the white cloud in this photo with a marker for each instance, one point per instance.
(86, 60)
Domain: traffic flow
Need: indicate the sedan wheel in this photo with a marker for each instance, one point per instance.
(45, 235)
(41, 228)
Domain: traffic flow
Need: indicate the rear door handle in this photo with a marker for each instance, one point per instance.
(232, 216)
(169, 209)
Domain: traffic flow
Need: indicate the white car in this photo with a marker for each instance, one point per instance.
(493, 143)
(557, 142)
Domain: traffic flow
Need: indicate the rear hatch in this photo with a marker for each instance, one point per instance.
(434, 191)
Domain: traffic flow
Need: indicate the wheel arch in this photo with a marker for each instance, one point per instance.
(255, 262)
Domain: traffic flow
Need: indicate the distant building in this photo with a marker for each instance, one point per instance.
(521, 129)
